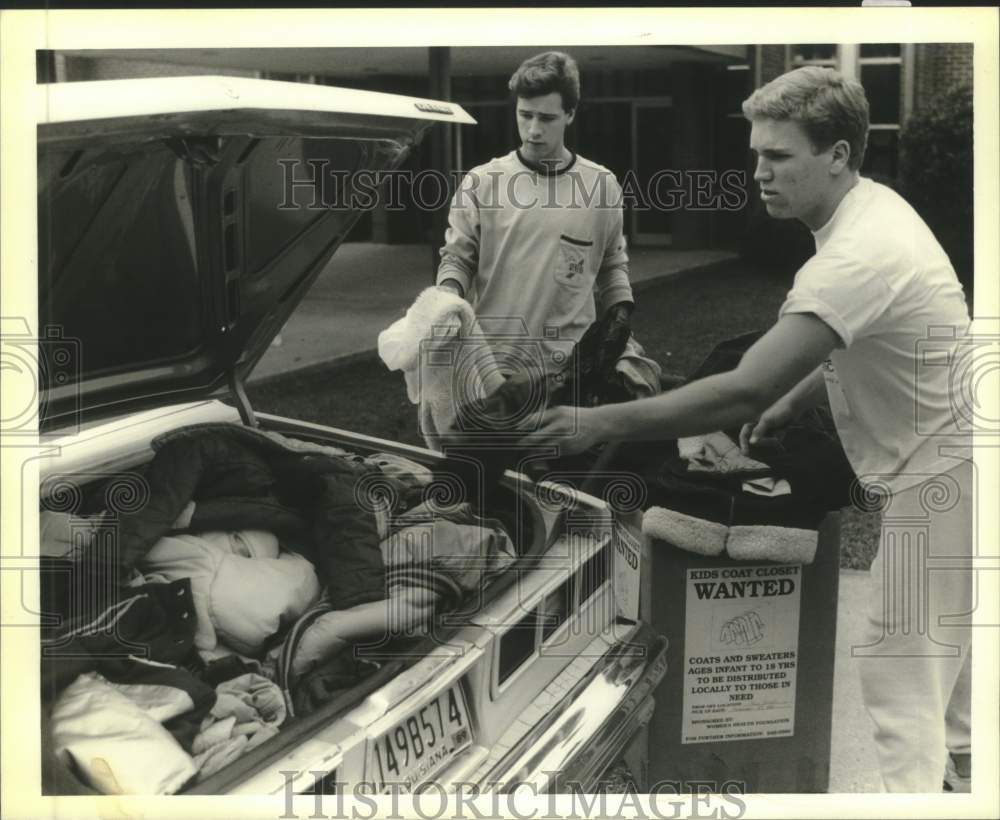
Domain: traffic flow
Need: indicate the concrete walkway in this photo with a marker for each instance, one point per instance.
(853, 762)
(366, 287)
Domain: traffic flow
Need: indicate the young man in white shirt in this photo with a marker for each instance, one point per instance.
(850, 330)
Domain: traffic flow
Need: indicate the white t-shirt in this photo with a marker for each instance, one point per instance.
(884, 285)
(530, 249)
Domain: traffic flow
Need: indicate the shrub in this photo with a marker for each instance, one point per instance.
(935, 172)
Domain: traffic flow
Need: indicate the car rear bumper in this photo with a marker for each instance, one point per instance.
(592, 726)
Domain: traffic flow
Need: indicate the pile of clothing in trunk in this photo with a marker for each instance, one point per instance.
(190, 627)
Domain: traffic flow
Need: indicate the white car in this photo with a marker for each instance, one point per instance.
(172, 251)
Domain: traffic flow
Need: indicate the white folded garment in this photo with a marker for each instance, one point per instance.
(114, 744)
(767, 486)
(445, 358)
(244, 588)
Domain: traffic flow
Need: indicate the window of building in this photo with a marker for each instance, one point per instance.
(880, 71)
(879, 67)
(812, 54)
(737, 89)
(880, 50)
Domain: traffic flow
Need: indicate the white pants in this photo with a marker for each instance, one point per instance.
(915, 660)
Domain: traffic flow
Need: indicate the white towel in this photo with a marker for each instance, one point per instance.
(444, 356)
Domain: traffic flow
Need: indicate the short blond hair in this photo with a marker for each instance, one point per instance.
(829, 107)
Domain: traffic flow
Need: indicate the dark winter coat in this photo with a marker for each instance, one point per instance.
(240, 478)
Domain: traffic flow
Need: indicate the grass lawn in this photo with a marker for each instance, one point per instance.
(678, 322)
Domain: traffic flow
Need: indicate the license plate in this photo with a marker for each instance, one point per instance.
(422, 743)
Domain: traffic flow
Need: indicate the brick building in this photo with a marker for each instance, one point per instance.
(939, 66)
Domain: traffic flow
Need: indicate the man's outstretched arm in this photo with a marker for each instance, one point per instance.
(779, 361)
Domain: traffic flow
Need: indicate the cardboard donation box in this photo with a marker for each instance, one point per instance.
(747, 699)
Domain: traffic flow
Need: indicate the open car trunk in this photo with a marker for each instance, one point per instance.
(181, 220)
(387, 655)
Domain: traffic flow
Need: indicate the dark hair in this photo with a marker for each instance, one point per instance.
(545, 73)
(828, 105)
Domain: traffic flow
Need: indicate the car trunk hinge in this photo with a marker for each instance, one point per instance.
(197, 150)
(240, 397)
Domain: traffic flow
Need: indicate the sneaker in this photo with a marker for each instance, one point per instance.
(958, 773)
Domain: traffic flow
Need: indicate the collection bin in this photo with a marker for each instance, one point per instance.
(748, 692)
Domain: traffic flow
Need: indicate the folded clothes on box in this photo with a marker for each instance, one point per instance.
(717, 453)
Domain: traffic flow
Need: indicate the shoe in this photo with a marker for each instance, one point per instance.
(958, 773)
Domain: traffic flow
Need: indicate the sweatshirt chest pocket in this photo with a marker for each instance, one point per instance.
(572, 264)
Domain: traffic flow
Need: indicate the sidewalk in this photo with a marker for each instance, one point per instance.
(366, 287)
(853, 762)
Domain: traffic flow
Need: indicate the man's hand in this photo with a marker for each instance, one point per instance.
(776, 417)
(571, 429)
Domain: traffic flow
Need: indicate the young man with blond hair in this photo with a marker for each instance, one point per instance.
(850, 331)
